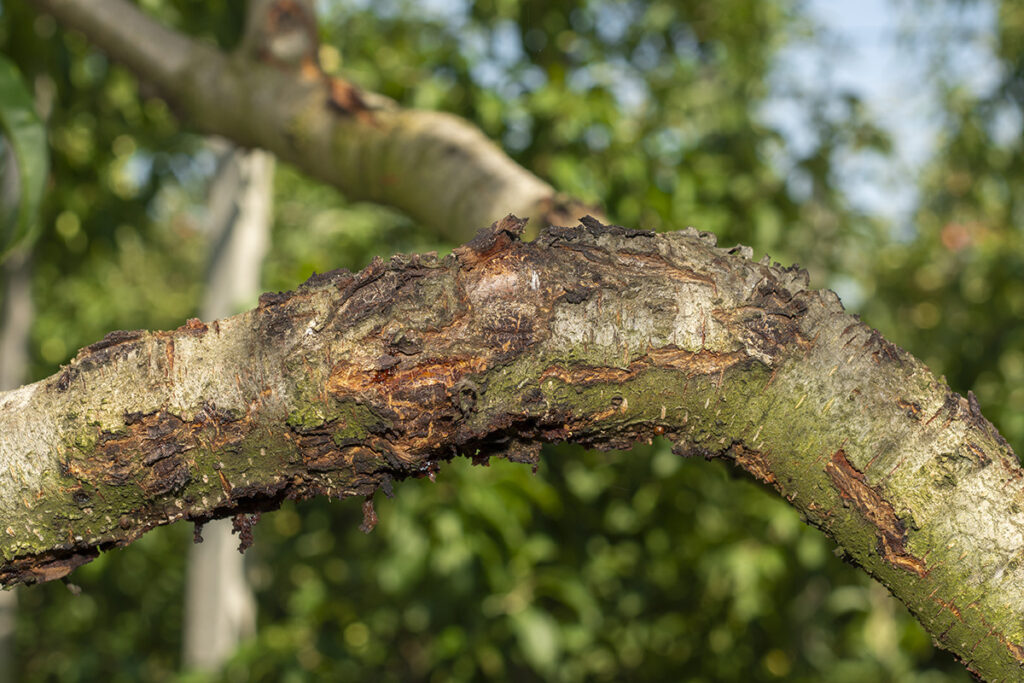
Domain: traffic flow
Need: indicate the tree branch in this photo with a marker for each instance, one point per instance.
(157, 54)
(599, 336)
(596, 335)
(438, 168)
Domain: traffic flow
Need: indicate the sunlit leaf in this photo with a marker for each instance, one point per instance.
(26, 136)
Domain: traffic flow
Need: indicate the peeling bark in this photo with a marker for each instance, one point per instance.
(892, 535)
(598, 335)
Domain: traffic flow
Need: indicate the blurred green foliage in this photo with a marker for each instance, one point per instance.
(25, 139)
(954, 291)
(636, 565)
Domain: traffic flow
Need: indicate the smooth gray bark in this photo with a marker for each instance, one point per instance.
(220, 609)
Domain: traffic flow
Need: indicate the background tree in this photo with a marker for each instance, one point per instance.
(564, 575)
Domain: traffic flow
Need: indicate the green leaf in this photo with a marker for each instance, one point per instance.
(539, 638)
(26, 136)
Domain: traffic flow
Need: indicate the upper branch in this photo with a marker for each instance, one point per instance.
(157, 54)
(596, 335)
(438, 168)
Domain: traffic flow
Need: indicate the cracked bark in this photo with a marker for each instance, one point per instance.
(597, 335)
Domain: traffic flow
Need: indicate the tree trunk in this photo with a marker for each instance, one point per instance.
(219, 606)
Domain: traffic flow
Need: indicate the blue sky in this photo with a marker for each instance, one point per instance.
(885, 51)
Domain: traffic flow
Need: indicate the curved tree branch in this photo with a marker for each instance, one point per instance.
(596, 335)
(438, 168)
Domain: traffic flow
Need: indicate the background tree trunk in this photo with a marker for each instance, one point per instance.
(220, 609)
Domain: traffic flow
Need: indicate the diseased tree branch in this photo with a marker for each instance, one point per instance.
(438, 168)
(596, 335)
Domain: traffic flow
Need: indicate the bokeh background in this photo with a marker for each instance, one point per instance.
(902, 190)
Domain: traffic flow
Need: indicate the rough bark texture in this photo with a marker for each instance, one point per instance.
(597, 335)
(436, 167)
